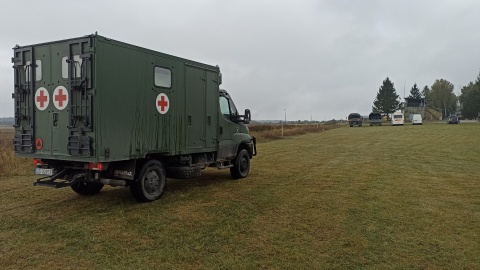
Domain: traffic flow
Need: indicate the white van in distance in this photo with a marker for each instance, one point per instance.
(417, 119)
(397, 119)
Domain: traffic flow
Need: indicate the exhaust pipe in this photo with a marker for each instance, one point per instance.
(113, 182)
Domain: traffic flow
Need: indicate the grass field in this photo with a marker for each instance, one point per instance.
(9, 165)
(370, 197)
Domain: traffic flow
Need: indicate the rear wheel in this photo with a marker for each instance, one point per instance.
(241, 165)
(150, 183)
(86, 188)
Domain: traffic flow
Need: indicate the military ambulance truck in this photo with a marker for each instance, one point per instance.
(92, 111)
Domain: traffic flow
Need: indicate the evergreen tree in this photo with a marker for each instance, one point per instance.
(426, 95)
(415, 92)
(426, 92)
(387, 100)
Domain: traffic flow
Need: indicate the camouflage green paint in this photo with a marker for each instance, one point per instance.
(126, 123)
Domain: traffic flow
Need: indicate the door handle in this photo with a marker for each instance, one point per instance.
(55, 119)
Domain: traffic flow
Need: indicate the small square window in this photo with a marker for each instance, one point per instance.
(163, 77)
(77, 66)
(38, 71)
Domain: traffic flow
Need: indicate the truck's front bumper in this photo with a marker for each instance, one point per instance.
(253, 144)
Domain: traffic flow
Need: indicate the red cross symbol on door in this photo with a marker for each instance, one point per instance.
(60, 97)
(41, 98)
(162, 103)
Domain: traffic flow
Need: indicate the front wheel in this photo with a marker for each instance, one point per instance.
(241, 165)
(150, 183)
(86, 188)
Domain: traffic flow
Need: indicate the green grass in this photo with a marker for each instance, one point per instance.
(370, 197)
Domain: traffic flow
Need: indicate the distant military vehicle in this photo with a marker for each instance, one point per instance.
(355, 119)
(93, 111)
(375, 118)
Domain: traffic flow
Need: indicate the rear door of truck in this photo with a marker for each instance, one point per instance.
(50, 98)
(32, 95)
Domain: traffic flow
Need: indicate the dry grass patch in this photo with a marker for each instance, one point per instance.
(274, 131)
(9, 164)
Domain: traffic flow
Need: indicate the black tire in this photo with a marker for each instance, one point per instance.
(86, 188)
(241, 165)
(151, 181)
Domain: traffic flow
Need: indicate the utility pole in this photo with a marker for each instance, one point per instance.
(445, 107)
(285, 120)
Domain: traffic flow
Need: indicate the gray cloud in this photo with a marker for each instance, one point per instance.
(319, 58)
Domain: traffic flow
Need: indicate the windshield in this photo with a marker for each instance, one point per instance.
(398, 116)
(353, 115)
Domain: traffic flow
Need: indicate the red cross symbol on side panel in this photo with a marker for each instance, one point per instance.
(41, 98)
(162, 103)
(60, 97)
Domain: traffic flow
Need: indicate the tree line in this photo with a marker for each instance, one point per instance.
(439, 96)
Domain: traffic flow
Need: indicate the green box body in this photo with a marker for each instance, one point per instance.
(113, 111)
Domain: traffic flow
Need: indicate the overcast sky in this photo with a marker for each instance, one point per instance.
(319, 59)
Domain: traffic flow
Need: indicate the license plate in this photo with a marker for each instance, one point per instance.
(43, 171)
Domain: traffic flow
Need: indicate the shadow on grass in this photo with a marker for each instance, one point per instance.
(175, 189)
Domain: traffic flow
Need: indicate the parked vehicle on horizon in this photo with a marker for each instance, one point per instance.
(417, 119)
(375, 118)
(397, 119)
(355, 119)
(453, 119)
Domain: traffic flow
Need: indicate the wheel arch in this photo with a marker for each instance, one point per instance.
(247, 146)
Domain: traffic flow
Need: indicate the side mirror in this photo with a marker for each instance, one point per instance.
(247, 116)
